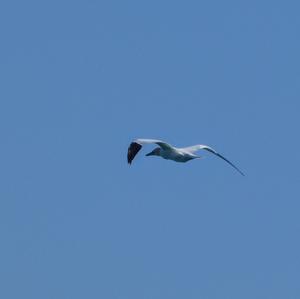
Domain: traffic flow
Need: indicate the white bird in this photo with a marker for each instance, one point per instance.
(169, 152)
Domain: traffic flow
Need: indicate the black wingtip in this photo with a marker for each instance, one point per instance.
(133, 149)
(237, 169)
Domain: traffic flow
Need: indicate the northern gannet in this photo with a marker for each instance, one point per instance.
(170, 152)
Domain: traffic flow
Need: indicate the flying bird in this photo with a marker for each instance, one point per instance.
(169, 152)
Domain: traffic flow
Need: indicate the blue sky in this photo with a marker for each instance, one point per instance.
(80, 80)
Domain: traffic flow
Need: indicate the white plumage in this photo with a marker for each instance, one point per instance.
(169, 152)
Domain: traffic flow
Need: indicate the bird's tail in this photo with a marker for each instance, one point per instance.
(200, 157)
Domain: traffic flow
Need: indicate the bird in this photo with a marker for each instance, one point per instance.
(169, 152)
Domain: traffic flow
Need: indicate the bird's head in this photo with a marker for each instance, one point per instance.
(155, 152)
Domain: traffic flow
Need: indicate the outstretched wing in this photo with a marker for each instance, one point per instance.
(137, 144)
(133, 149)
(195, 148)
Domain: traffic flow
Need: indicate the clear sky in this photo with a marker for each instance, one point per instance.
(80, 80)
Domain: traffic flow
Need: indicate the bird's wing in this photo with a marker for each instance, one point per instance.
(195, 148)
(162, 144)
(137, 144)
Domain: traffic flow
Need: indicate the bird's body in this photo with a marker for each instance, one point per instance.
(169, 152)
(177, 155)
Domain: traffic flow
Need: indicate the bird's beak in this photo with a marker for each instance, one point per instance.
(150, 154)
